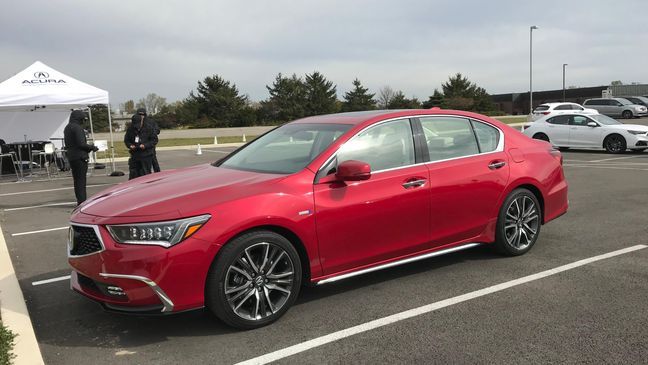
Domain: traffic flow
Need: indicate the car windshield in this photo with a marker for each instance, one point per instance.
(604, 119)
(285, 150)
(541, 108)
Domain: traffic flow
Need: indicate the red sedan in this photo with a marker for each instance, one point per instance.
(316, 200)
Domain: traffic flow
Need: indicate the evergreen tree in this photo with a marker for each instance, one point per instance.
(287, 100)
(436, 100)
(321, 95)
(462, 94)
(216, 103)
(358, 99)
(399, 101)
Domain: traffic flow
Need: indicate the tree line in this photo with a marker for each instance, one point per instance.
(217, 102)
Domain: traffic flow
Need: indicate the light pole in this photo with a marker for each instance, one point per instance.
(564, 65)
(531, 68)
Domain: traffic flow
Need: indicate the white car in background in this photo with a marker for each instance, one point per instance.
(578, 130)
(545, 109)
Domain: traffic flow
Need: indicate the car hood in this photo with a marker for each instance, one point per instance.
(632, 127)
(176, 193)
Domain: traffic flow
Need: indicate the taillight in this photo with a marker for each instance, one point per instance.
(546, 113)
(556, 154)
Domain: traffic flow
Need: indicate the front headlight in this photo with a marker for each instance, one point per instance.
(640, 108)
(637, 132)
(165, 234)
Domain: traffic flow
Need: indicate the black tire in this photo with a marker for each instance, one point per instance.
(541, 136)
(627, 114)
(258, 291)
(615, 143)
(517, 220)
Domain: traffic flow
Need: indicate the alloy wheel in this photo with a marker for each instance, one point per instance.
(259, 281)
(615, 144)
(521, 223)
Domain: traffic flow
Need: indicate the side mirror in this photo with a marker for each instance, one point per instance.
(592, 124)
(353, 170)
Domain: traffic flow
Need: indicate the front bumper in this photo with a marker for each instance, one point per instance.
(143, 279)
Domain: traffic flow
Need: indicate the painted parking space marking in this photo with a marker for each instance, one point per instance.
(213, 151)
(591, 166)
(615, 158)
(39, 231)
(377, 323)
(39, 206)
(48, 190)
(53, 280)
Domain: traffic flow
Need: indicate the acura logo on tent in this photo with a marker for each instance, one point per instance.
(42, 77)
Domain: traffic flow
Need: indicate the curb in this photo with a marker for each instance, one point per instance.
(14, 311)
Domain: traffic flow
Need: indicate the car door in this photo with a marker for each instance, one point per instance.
(583, 135)
(615, 107)
(469, 171)
(388, 215)
(557, 129)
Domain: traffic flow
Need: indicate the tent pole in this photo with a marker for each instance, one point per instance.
(112, 143)
(92, 154)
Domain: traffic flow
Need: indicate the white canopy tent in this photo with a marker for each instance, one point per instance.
(35, 104)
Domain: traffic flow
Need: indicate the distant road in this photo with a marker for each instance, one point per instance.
(197, 133)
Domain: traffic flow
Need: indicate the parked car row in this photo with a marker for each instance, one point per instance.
(617, 107)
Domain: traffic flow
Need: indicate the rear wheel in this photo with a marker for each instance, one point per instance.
(627, 114)
(254, 280)
(541, 136)
(518, 223)
(614, 143)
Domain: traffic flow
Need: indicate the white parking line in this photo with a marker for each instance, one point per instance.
(39, 231)
(606, 167)
(53, 280)
(614, 158)
(319, 341)
(218, 151)
(48, 190)
(39, 206)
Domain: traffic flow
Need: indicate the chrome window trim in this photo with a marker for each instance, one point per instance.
(164, 298)
(97, 232)
(500, 144)
(398, 263)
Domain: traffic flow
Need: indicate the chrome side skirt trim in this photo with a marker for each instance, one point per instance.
(397, 263)
(166, 302)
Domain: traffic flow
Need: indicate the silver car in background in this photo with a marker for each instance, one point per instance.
(616, 107)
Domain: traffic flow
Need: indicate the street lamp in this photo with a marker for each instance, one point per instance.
(564, 65)
(531, 68)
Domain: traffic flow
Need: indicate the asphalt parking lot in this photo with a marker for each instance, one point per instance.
(594, 313)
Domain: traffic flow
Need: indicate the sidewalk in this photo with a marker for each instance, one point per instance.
(14, 311)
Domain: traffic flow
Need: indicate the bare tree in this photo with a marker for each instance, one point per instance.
(385, 96)
(152, 102)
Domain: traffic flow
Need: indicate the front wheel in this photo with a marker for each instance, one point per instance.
(627, 114)
(254, 280)
(518, 223)
(614, 143)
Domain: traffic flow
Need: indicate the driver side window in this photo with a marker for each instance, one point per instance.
(384, 146)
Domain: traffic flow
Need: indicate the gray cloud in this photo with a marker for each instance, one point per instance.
(133, 48)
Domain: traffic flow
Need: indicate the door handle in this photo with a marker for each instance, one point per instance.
(496, 165)
(414, 183)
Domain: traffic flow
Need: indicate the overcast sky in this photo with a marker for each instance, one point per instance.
(132, 48)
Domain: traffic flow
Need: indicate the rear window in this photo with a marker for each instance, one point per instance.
(541, 108)
(594, 102)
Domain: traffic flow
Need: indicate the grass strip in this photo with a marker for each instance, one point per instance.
(6, 345)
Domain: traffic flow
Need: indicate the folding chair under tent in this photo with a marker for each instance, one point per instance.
(35, 104)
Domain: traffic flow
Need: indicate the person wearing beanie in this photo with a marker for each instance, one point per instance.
(156, 128)
(140, 139)
(77, 148)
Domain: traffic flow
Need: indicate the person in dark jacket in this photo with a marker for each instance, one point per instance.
(156, 128)
(140, 139)
(77, 148)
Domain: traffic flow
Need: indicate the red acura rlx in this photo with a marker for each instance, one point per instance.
(314, 201)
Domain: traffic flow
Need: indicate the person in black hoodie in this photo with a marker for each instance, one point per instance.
(140, 139)
(156, 128)
(77, 152)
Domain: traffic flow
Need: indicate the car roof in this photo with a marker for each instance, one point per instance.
(557, 103)
(357, 118)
